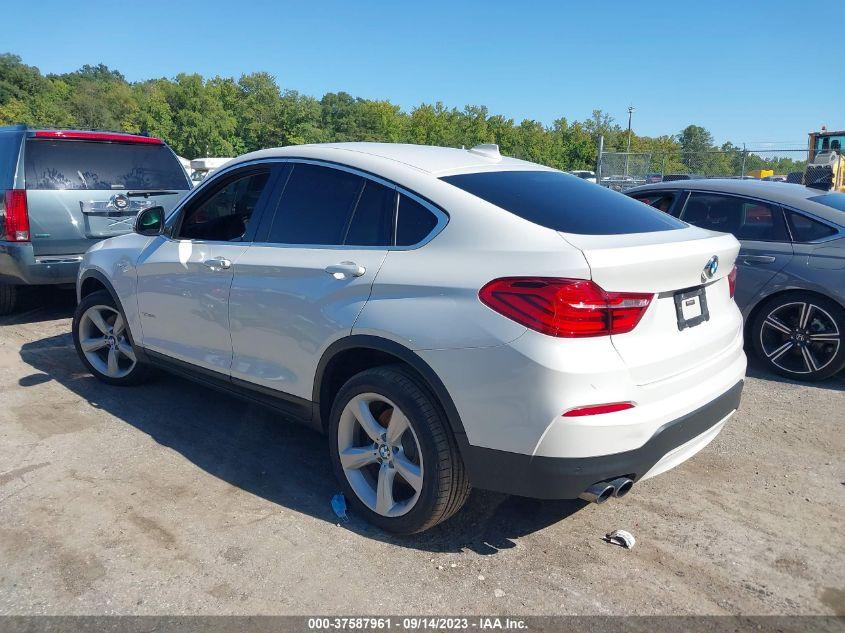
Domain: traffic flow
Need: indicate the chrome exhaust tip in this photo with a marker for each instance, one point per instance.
(598, 493)
(622, 486)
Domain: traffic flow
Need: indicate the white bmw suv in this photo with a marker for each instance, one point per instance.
(449, 318)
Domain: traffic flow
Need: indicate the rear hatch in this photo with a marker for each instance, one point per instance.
(83, 187)
(691, 319)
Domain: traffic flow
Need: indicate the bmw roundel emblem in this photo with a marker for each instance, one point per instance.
(120, 202)
(710, 268)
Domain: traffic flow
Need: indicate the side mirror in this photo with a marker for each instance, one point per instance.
(150, 221)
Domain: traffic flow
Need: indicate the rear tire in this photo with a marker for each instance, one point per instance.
(9, 296)
(800, 335)
(104, 343)
(427, 478)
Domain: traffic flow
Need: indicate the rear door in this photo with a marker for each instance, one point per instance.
(759, 226)
(305, 280)
(82, 191)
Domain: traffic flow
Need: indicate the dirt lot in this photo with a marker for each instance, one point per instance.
(171, 499)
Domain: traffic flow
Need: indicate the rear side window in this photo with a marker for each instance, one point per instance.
(746, 219)
(413, 223)
(563, 202)
(806, 230)
(662, 201)
(315, 206)
(372, 221)
(91, 165)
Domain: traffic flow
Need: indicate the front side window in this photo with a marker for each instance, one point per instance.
(662, 201)
(805, 229)
(316, 206)
(95, 165)
(746, 219)
(225, 216)
(563, 202)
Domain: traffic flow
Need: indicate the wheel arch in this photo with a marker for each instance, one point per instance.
(91, 281)
(763, 300)
(358, 352)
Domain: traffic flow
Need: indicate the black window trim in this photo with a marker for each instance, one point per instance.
(440, 214)
(770, 203)
(203, 194)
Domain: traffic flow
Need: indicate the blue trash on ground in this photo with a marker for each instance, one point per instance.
(339, 506)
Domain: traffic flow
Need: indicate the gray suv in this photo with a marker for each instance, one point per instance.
(63, 190)
(790, 281)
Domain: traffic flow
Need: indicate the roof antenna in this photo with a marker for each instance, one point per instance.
(487, 150)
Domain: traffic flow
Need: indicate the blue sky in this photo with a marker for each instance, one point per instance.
(749, 72)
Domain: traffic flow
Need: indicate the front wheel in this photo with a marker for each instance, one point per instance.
(800, 336)
(393, 452)
(102, 340)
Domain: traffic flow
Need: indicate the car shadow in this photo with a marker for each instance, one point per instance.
(250, 447)
(756, 369)
(39, 304)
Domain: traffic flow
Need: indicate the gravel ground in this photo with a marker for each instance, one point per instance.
(173, 499)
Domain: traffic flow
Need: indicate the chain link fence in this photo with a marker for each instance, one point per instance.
(623, 170)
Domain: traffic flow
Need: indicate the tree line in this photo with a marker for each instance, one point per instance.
(222, 116)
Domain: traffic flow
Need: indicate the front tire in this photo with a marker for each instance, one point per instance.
(103, 341)
(800, 335)
(393, 452)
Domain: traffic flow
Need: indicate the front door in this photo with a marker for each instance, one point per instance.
(184, 278)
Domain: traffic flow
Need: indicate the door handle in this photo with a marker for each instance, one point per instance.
(758, 259)
(344, 270)
(218, 263)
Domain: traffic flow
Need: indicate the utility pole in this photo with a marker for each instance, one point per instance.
(628, 151)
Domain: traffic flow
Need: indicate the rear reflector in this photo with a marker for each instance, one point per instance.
(732, 281)
(598, 409)
(98, 136)
(16, 218)
(565, 307)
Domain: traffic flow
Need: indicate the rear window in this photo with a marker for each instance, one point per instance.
(99, 166)
(565, 203)
(833, 200)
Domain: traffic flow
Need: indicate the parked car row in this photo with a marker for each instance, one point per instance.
(448, 317)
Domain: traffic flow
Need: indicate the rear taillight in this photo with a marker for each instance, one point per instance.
(16, 220)
(732, 281)
(565, 307)
(598, 409)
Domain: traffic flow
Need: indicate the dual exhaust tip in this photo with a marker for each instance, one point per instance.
(604, 490)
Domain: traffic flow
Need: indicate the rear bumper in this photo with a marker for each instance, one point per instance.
(567, 477)
(20, 266)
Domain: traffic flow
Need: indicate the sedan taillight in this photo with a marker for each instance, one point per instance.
(569, 308)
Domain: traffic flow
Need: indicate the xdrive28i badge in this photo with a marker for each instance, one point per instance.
(710, 268)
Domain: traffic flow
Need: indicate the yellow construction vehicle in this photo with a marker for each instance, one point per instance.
(825, 161)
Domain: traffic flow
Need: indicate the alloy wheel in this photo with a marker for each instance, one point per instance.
(800, 337)
(380, 454)
(104, 341)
